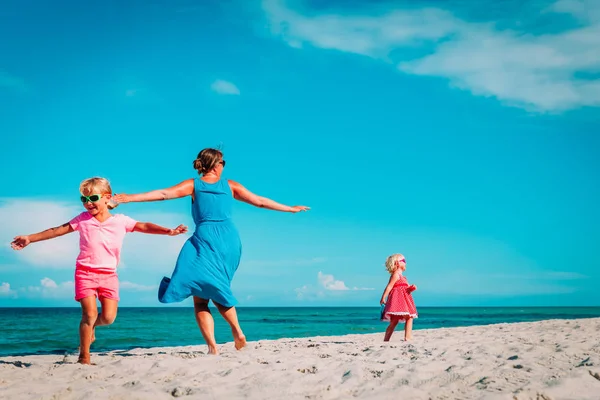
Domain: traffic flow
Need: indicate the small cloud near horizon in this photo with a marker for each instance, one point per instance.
(6, 291)
(327, 284)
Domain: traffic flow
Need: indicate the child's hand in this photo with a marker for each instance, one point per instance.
(20, 242)
(178, 231)
(381, 302)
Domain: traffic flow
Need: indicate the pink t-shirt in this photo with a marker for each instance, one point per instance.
(100, 242)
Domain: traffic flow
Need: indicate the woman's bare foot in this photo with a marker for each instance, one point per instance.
(407, 337)
(240, 342)
(84, 359)
(213, 351)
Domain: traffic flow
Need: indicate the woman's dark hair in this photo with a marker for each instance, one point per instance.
(207, 159)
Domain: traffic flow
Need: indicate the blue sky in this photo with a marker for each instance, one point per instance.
(464, 136)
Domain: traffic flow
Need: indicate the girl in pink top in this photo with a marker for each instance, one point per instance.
(100, 240)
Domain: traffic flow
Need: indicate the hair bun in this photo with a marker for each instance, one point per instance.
(198, 165)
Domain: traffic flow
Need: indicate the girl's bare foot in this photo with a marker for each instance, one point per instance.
(240, 342)
(84, 359)
(407, 337)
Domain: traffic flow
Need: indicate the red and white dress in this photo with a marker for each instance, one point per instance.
(400, 301)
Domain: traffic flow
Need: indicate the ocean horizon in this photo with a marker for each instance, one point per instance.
(54, 330)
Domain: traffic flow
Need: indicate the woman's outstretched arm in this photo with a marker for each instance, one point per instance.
(185, 188)
(242, 194)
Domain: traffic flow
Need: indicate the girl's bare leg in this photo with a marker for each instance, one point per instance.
(230, 315)
(206, 323)
(89, 314)
(408, 329)
(107, 315)
(394, 319)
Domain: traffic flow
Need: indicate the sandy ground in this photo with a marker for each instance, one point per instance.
(558, 359)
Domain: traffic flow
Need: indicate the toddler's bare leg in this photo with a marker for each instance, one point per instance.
(390, 329)
(408, 329)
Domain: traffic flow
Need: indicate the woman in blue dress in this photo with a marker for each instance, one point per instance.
(208, 260)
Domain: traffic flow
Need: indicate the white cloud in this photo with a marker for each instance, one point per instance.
(49, 284)
(327, 285)
(6, 291)
(224, 87)
(372, 36)
(533, 71)
(49, 289)
(330, 283)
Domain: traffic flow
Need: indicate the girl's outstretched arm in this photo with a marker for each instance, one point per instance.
(388, 288)
(242, 194)
(185, 188)
(20, 242)
(149, 227)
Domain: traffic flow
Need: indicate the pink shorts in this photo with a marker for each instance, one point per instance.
(90, 282)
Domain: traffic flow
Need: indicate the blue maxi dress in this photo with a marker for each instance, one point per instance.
(211, 256)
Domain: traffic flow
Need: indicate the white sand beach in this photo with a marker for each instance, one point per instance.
(558, 359)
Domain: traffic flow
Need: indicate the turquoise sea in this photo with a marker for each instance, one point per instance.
(54, 330)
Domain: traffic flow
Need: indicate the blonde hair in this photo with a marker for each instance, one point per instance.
(390, 263)
(207, 159)
(96, 185)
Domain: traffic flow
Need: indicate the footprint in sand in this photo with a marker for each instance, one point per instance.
(18, 364)
(178, 392)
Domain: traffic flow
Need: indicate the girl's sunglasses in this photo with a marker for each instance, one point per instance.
(222, 162)
(93, 198)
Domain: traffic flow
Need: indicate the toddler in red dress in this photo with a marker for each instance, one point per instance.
(399, 305)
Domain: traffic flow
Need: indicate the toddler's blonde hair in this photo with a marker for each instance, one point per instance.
(390, 263)
(96, 185)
